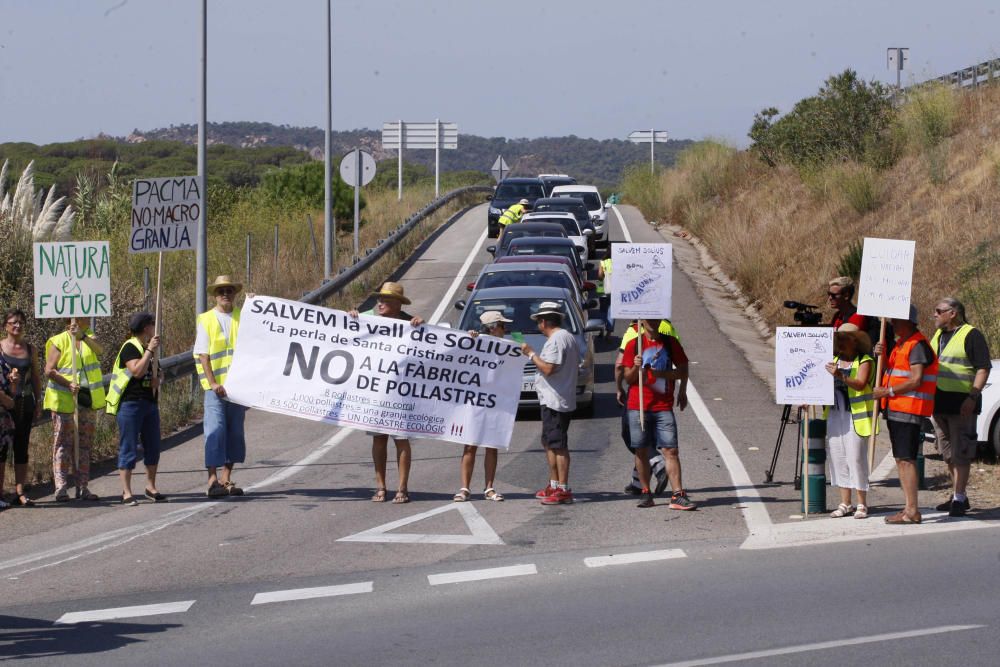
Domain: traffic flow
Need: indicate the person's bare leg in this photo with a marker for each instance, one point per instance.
(469, 464)
(845, 496)
(213, 475)
(489, 466)
(126, 477)
(642, 466)
(20, 478)
(380, 444)
(908, 481)
(562, 466)
(550, 458)
(151, 479)
(673, 461)
(403, 454)
(227, 474)
(960, 476)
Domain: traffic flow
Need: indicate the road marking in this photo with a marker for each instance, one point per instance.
(634, 557)
(621, 222)
(480, 575)
(312, 593)
(822, 646)
(124, 612)
(883, 469)
(480, 531)
(450, 294)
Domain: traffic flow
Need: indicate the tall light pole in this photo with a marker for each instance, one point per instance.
(329, 238)
(201, 251)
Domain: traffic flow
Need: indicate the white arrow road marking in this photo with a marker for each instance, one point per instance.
(481, 532)
(125, 612)
(312, 593)
(480, 575)
(634, 557)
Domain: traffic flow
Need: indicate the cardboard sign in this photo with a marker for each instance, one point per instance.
(886, 278)
(643, 280)
(800, 355)
(375, 373)
(72, 279)
(165, 214)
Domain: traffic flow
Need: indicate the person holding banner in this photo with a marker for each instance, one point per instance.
(389, 302)
(907, 395)
(74, 394)
(663, 361)
(849, 419)
(555, 383)
(17, 352)
(132, 398)
(964, 358)
(215, 341)
(494, 324)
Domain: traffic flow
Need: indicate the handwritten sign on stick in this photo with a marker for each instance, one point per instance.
(165, 214)
(72, 279)
(642, 280)
(886, 278)
(800, 354)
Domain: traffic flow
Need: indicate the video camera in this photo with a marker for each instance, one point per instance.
(805, 315)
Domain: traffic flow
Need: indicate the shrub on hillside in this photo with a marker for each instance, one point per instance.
(929, 116)
(304, 185)
(859, 185)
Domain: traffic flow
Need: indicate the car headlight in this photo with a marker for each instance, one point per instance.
(495, 211)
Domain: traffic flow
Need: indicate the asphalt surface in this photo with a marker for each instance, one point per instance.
(738, 575)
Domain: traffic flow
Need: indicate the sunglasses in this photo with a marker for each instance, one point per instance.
(833, 295)
(225, 290)
(942, 311)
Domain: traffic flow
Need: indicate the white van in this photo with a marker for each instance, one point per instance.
(595, 206)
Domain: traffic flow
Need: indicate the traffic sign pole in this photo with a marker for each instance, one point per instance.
(400, 165)
(357, 201)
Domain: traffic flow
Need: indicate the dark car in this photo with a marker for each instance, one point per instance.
(537, 274)
(552, 180)
(523, 229)
(532, 246)
(509, 192)
(573, 205)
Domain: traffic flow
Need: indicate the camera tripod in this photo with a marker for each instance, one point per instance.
(786, 419)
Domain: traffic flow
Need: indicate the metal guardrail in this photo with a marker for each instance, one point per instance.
(970, 77)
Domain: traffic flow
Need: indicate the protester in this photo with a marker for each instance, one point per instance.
(849, 420)
(908, 398)
(839, 296)
(555, 383)
(663, 361)
(70, 389)
(132, 398)
(493, 323)
(389, 302)
(17, 352)
(215, 341)
(964, 368)
(10, 381)
(604, 290)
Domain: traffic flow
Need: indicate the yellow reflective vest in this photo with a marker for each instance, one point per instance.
(220, 350)
(861, 401)
(88, 374)
(955, 371)
(666, 328)
(605, 281)
(120, 376)
(511, 215)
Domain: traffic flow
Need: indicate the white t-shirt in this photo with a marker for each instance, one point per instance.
(201, 336)
(558, 391)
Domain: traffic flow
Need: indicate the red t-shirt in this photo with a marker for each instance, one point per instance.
(857, 320)
(657, 393)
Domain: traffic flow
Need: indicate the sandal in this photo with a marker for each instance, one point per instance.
(901, 518)
(62, 495)
(861, 512)
(379, 496)
(463, 495)
(156, 497)
(842, 510)
(24, 501)
(491, 494)
(232, 489)
(129, 501)
(216, 490)
(401, 497)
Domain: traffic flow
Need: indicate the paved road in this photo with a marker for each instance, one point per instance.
(738, 575)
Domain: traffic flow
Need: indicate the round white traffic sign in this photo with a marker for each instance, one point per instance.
(357, 162)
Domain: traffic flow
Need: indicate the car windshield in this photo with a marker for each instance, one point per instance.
(590, 199)
(519, 191)
(517, 309)
(569, 226)
(511, 234)
(542, 249)
(526, 278)
(578, 210)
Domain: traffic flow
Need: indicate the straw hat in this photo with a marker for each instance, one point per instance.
(548, 308)
(392, 291)
(223, 281)
(492, 317)
(861, 339)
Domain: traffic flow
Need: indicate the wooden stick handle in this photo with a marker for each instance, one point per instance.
(879, 366)
(158, 329)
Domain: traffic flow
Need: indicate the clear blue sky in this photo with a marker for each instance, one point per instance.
(515, 68)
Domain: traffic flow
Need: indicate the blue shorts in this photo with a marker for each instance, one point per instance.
(138, 421)
(661, 430)
(224, 440)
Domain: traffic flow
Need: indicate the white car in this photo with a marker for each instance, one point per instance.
(568, 223)
(592, 198)
(988, 422)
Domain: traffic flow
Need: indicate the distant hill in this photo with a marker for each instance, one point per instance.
(590, 160)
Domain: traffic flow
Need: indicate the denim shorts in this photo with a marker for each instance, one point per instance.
(661, 430)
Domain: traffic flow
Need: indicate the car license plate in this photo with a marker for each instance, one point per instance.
(528, 385)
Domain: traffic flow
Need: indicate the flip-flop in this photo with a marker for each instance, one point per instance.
(24, 501)
(156, 497)
(129, 501)
(379, 496)
(401, 497)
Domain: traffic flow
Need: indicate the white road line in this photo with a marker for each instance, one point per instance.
(312, 593)
(634, 557)
(621, 222)
(124, 612)
(450, 294)
(822, 646)
(480, 532)
(479, 575)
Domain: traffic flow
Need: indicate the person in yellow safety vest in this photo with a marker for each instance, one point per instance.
(604, 291)
(215, 341)
(70, 390)
(849, 420)
(132, 398)
(963, 370)
(907, 394)
(513, 214)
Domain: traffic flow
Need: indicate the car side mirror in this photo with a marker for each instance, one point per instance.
(488, 197)
(607, 205)
(460, 305)
(594, 325)
(588, 232)
(492, 249)
(592, 303)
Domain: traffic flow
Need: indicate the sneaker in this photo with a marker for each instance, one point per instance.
(545, 493)
(632, 491)
(558, 497)
(957, 508)
(946, 506)
(62, 495)
(647, 500)
(680, 501)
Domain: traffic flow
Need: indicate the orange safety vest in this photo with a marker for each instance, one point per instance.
(917, 402)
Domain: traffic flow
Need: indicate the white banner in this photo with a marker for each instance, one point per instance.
(72, 279)
(165, 214)
(375, 374)
(886, 278)
(800, 354)
(642, 280)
